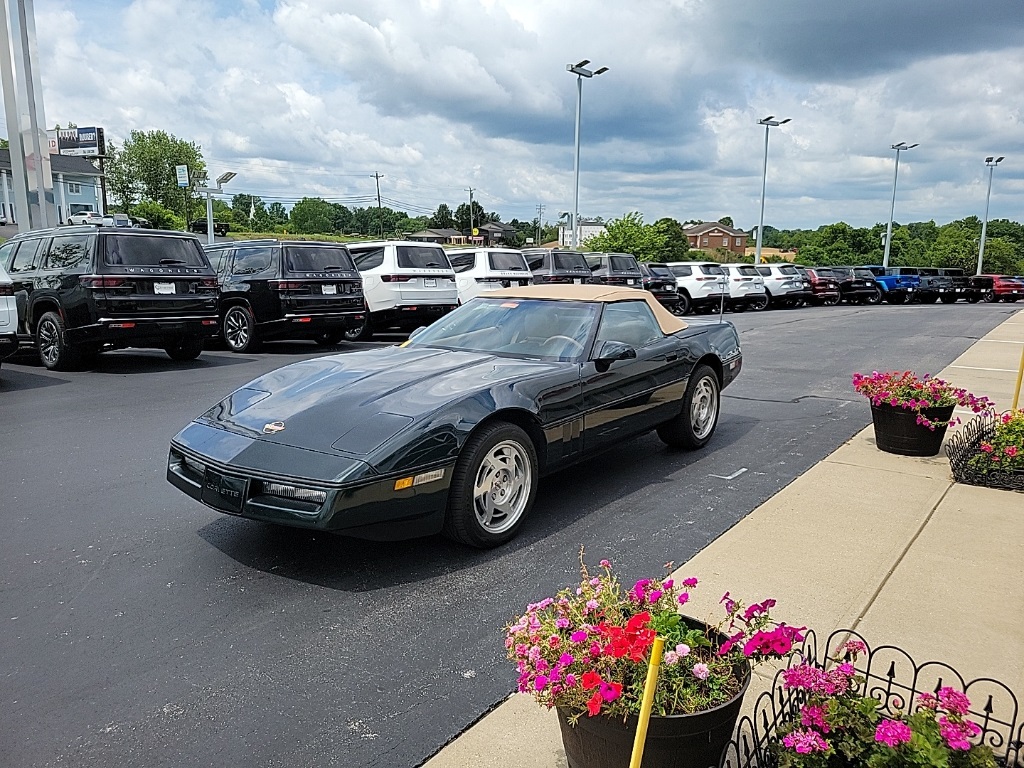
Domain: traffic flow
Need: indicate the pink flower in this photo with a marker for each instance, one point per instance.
(690, 582)
(684, 598)
(683, 649)
(953, 701)
(986, 447)
(606, 564)
(855, 647)
(561, 622)
(1010, 450)
(667, 583)
(592, 605)
(565, 659)
(655, 596)
(805, 742)
(892, 733)
(540, 683)
(570, 681)
(670, 658)
(927, 701)
(578, 636)
(958, 733)
(701, 671)
(813, 716)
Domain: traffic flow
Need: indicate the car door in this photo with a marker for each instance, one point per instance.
(627, 397)
(22, 268)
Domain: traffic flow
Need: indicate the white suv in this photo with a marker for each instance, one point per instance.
(746, 287)
(784, 284)
(700, 285)
(405, 285)
(478, 270)
(8, 316)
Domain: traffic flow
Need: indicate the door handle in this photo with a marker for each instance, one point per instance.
(671, 358)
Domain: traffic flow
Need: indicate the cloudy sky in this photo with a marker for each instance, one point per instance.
(311, 97)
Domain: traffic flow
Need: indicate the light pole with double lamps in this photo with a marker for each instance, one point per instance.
(579, 69)
(991, 162)
(768, 123)
(892, 208)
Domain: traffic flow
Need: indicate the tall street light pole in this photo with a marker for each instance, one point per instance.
(892, 208)
(768, 122)
(991, 162)
(579, 70)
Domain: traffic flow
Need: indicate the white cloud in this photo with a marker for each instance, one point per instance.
(312, 96)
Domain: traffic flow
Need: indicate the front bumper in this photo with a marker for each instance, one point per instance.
(334, 492)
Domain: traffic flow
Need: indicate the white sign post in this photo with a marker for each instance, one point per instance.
(181, 171)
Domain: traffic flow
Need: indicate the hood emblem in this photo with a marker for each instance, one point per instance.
(273, 427)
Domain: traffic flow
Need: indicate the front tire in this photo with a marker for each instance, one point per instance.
(702, 403)
(875, 298)
(361, 332)
(493, 486)
(683, 307)
(240, 330)
(761, 304)
(328, 338)
(989, 297)
(831, 301)
(185, 350)
(54, 351)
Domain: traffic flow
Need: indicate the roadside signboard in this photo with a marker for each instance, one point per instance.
(182, 173)
(83, 142)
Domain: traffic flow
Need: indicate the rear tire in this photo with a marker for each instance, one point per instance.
(185, 350)
(362, 332)
(875, 298)
(831, 301)
(989, 297)
(684, 307)
(697, 422)
(54, 351)
(493, 486)
(240, 330)
(760, 305)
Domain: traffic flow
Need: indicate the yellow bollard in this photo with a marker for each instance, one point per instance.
(648, 701)
(1020, 377)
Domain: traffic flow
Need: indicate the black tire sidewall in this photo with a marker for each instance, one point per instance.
(678, 433)
(65, 358)
(460, 521)
(250, 322)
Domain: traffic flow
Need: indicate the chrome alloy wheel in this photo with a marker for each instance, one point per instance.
(236, 328)
(49, 342)
(704, 408)
(501, 490)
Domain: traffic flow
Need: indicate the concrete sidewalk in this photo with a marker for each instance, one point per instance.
(887, 545)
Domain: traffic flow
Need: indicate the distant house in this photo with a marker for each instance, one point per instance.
(586, 229)
(495, 233)
(711, 235)
(76, 185)
(441, 236)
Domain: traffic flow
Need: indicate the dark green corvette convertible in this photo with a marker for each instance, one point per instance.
(452, 430)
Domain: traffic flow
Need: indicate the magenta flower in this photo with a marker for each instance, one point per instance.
(805, 742)
(892, 732)
(606, 564)
(684, 598)
(953, 701)
(578, 636)
(691, 583)
(541, 682)
(655, 596)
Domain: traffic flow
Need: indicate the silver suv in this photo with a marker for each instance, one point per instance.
(700, 284)
(784, 285)
(746, 288)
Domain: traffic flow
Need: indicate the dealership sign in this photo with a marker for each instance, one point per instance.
(85, 142)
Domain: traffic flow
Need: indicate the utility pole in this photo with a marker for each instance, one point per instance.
(540, 221)
(472, 226)
(380, 211)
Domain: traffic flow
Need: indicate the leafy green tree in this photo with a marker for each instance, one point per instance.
(955, 246)
(145, 165)
(313, 216)
(462, 216)
(158, 216)
(726, 220)
(5, 144)
(277, 215)
(1001, 258)
(677, 245)
(442, 218)
(342, 218)
(122, 180)
(629, 234)
(242, 204)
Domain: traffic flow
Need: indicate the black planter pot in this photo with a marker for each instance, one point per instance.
(675, 741)
(897, 430)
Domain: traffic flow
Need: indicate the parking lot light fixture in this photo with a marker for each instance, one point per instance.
(579, 69)
(892, 208)
(768, 123)
(991, 162)
(224, 178)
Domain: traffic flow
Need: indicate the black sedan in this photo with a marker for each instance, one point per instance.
(450, 431)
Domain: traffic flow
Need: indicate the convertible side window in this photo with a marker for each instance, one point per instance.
(629, 322)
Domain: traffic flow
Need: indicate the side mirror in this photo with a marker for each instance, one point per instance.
(417, 332)
(610, 351)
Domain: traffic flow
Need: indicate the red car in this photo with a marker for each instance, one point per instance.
(824, 285)
(1004, 288)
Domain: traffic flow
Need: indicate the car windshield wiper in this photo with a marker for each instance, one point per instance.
(333, 268)
(432, 264)
(172, 261)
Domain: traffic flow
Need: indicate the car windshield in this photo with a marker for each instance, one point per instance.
(569, 261)
(317, 258)
(156, 251)
(422, 257)
(527, 328)
(509, 261)
(623, 263)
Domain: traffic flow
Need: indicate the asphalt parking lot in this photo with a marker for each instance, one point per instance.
(142, 629)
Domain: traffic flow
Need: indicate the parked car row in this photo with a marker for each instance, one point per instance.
(76, 291)
(107, 220)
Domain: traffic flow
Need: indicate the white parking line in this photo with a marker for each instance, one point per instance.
(1001, 341)
(733, 476)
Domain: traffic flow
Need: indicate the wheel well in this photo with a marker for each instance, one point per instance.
(525, 421)
(40, 308)
(714, 364)
(236, 303)
(684, 292)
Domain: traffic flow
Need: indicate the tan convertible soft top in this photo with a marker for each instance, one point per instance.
(669, 323)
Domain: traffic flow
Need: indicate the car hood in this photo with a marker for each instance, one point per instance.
(353, 403)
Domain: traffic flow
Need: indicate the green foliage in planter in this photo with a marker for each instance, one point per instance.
(1005, 451)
